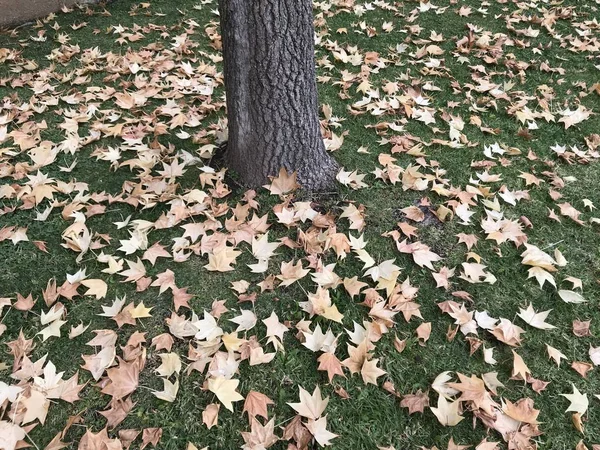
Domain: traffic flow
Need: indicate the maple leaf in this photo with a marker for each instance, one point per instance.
(246, 320)
(537, 320)
(96, 288)
(10, 435)
(181, 298)
(123, 379)
(56, 443)
(140, 311)
(330, 363)
(319, 341)
(370, 372)
(571, 297)
(151, 436)
(210, 415)
(310, 406)
(9, 393)
(78, 330)
(256, 404)
(170, 364)
(453, 446)
(318, 429)
(446, 412)
(320, 304)
(353, 286)
(352, 179)
(541, 275)
(570, 118)
(579, 401)
(68, 390)
(582, 368)
(442, 387)
(594, 354)
(581, 328)
(555, 354)
(224, 389)
(522, 411)
(423, 332)
(275, 330)
(283, 183)
(415, 402)
(473, 389)
(24, 303)
(290, 273)
(203, 329)
(169, 392)
(117, 411)
(520, 370)
(260, 437)
(163, 342)
(154, 252)
(221, 260)
(165, 280)
(36, 407)
(262, 249)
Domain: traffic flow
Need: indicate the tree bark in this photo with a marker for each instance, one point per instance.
(272, 103)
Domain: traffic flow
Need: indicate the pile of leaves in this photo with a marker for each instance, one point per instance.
(113, 147)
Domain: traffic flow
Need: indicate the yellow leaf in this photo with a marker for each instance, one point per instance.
(225, 391)
(140, 311)
(96, 287)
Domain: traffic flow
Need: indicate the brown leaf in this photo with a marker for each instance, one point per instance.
(163, 342)
(578, 424)
(181, 298)
(56, 443)
(24, 303)
(582, 368)
(370, 372)
(256, 404)
(123, 380)
(283, 183)
(296, 431)
(581, 328)
(522, 411)
(210, 415)
(340, 391)
(151, 436)
(399, 345)
(260, 436)
(520, 370)
(127, 437)
(473, 389)
(414, 213)
(98, 441)
(537, 385)
(415, 402)
(118, 411)
(50, 294)
(330, 363)
(423, 332)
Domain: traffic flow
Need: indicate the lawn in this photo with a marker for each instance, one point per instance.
(476, 128)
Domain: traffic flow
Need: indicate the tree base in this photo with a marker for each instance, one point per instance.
(312, 176)
(272, 98)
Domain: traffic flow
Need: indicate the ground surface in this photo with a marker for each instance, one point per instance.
(17, 12)
(471, 119)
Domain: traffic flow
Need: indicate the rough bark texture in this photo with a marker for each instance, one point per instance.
(272, 104)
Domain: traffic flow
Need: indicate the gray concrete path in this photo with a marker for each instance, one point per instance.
(15, 12)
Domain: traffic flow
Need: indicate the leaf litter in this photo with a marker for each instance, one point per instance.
(150, 110)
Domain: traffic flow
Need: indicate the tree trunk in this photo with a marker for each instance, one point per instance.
(272, 104)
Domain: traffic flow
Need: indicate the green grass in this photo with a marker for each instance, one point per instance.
(371, 417)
